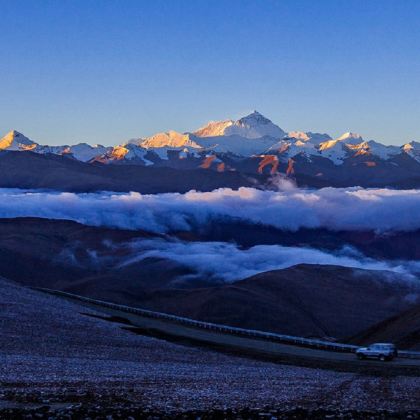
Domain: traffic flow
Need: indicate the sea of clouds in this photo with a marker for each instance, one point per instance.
(332, 208)
(290, 209)
(221, 261)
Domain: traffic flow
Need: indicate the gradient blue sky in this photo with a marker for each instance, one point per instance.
(106, 71)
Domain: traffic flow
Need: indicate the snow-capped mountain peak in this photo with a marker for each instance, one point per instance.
(298, 135)
(412, 146)
(346, 138)
(249, 137)
(169, 139)
(314, 138)
(408, 147)
(350, 137)
(337, 149)
(14, 140)
(85, 152)
(254, 118)
(412, 149)
(252, 126)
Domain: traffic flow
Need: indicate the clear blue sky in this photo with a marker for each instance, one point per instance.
(105, 71)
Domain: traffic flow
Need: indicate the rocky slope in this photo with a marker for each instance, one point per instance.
(56, 362)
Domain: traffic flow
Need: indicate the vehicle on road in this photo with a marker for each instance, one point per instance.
(381, 351)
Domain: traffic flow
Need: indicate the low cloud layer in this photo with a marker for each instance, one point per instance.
(336, 209)
(227, 262)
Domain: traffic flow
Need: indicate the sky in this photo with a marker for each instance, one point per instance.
(105, 71)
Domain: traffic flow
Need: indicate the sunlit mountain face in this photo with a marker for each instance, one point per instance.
(253, 145)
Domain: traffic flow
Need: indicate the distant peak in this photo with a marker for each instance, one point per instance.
(15, 140)
(349, 135)
(168, 139)
(413, 145)
(298, 135)
(14, 133)
(255, 116)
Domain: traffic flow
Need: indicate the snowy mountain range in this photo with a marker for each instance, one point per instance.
(251, 144)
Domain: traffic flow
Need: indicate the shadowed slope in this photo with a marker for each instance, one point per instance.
(402, 329)
(31, 171)
(304, 300)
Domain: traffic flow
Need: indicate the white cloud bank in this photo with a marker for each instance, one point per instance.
(333, 208)
(227, 262)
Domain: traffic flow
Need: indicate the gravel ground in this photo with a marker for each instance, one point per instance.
(51, 355)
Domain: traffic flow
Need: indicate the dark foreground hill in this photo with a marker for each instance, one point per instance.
(54, 253)
(308, 300)
(60, 254)
(304, 300)
(35, 171)
(64, 173)
(398, 245)
(402, 329)
(56, 361)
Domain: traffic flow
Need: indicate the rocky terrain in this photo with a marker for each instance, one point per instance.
(57, 361)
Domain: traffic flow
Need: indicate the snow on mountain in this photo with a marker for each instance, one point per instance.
(251, 136)
(84, 152)
(299, 135)
(382, 151)
(235, 144)
(412, 149)
(253, 126)
(126, 152)
(172, 142)
(214, 128)
(289, 147)
(314, 138)
(350, 138)
(169, 139)
(350, 144)
(302, 136)
(248, 136)
(14, 140)
(338, 149)
(299, 142)
(346, 138)
(182, 152)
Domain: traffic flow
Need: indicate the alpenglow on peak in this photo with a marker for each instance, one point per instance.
(252, 126)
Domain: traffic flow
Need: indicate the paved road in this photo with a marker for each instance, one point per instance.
(256, 347)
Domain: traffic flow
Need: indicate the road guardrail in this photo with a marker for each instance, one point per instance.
(225, 329)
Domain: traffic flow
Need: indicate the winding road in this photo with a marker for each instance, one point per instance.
(274, 347)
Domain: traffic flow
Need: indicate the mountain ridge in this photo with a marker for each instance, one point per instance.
(252, 144)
